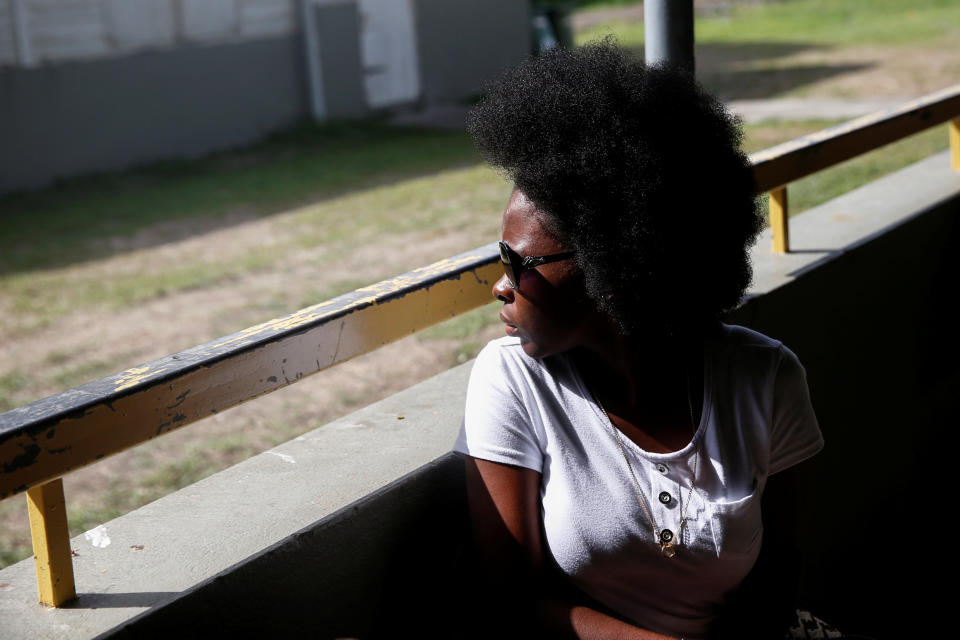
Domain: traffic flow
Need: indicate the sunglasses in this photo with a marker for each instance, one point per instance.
(514, 264)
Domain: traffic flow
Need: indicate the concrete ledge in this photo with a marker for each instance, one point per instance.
(336, 532)
(191, 536)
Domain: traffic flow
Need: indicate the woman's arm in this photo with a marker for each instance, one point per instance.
(504, 503)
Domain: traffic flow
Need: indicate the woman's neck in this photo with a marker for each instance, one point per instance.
(634, 371)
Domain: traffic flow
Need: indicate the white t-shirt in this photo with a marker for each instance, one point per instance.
(757, 420)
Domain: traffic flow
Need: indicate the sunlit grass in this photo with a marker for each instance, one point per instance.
(820, 22)
(78, 220)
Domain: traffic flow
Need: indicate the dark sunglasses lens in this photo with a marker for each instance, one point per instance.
(504, 254)
(508, 265)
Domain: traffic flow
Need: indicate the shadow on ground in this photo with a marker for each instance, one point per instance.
(756, 70)
(99, 216)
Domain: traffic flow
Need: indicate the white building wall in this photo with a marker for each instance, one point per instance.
(389, 52)
(8, 55)
(263, 18)
(136, 24)
(62, 30)
(66, 29)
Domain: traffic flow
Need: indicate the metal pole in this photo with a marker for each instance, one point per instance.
(21, 33)
(311, 51)
(668, 33)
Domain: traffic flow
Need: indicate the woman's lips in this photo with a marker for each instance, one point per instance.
(510, 328)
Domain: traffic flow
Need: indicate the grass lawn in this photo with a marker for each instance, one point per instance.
(80, 217)
(822, 22)
(819, 48)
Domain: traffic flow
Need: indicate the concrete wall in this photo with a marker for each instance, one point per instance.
(877, 330)
(110, 114)
(177, 99)
(338, 33)
(460, 44)
(357, 529)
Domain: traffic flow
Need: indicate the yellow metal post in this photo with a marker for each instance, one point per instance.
(954, 128)
(51, 543)
(778, 220)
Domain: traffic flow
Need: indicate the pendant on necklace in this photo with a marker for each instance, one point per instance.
(667, 546)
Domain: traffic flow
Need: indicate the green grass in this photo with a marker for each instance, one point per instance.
(46, 295)
(330, 229)
(11, 383)
(816, 22)
(836, 22)
(77, 220)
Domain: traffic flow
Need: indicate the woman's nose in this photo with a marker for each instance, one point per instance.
(502, 290)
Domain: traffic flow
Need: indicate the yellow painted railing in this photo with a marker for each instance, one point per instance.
(776, 167)
(42, 441)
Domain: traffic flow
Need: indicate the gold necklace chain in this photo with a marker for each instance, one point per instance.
(668, 545)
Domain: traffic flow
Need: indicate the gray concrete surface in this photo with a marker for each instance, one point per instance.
(64, 120)
(460, 44)
(355, 522)
(338, 30)
(193, 535)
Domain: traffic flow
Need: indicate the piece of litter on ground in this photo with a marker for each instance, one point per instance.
(283, 457)
(98, 537)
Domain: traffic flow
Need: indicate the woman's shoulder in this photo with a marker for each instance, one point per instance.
(505, 347)
(743, 354)
(504, 363)
(736, 336)
(507, 353)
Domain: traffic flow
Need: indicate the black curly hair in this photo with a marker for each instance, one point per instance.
(641, 173)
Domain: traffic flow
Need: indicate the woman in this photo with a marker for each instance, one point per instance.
(620, 439)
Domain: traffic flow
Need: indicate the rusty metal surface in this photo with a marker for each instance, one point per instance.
(784, 163)
(46, 439)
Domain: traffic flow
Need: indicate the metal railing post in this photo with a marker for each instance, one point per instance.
(954, 128)
(779, 226)
(51, 543)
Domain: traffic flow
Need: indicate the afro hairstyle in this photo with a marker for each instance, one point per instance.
(640, 172)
